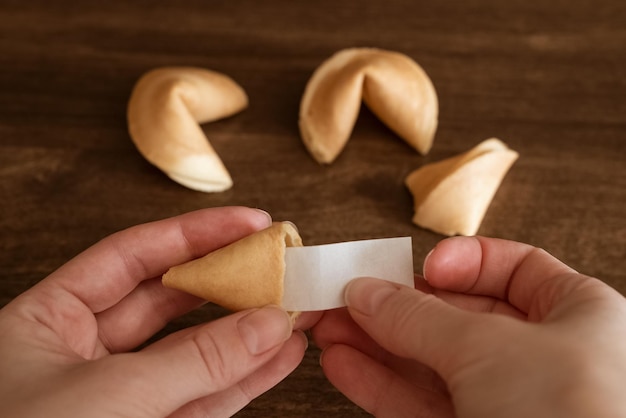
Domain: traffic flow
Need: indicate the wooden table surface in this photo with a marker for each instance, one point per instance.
(548, 78)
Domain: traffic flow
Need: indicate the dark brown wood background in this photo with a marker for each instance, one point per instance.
(548, 78)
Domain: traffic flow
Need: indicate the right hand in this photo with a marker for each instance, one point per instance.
(500, 329)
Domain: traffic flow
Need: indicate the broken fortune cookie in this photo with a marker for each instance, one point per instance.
(394, 87)
(452, 196)
(248, 273)
(164, 112)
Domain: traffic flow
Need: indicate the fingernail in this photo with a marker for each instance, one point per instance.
(426, 262)
(366, 294)
(321, 359)
(264, 329)
(303, 337)
(269, 217)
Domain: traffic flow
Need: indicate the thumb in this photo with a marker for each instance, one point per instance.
(412, 324)
(204, 360)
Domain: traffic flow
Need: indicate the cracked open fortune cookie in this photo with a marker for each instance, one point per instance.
(452, 196)
(165, 110)
(393, 86)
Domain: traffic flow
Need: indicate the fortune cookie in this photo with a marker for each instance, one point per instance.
(248, 273)
(452, 196)
(164, 112)
(394, 87)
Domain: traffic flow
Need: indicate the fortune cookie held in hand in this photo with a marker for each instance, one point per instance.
(248, 273)
(452, 196)
(392, 85)
(164, 112)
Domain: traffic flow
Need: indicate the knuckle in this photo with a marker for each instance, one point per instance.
(246, 390)
(216, 370)
(406, 314)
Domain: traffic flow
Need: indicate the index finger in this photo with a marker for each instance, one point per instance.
(507, 270)
(109, 270)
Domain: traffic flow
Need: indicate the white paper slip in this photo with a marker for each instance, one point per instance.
(315, 276)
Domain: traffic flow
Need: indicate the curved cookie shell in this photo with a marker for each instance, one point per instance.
(164, 112)
(452, 196)
(391, 84)
(248, 273)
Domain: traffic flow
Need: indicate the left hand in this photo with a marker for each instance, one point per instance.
(65, 344)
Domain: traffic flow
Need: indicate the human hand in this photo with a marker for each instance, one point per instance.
(64, 344)
(500, 329)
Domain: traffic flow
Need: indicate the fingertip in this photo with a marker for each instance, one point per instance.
(263, 218)
(254, 218)
(424, 275)
(366, 294)
(265, 328)
(324, 355)
(321, 358)
(302, 337)
(451, 259)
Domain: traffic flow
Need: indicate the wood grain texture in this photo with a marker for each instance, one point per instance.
(545, 77)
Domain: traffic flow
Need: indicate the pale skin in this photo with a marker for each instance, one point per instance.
(499, 329)
(64, 344)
